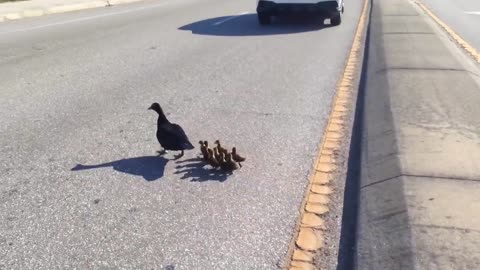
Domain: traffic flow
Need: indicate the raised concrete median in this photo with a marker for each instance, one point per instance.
(34, 8)
(419, 199)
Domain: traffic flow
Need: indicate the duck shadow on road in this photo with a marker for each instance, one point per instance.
(149, 167)
(197, 170)
(247, 25)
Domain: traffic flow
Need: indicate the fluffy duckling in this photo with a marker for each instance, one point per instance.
(203, 148)
(220, 148)
(236, 157)
(212, 160)
(229, 164)
(217, 155)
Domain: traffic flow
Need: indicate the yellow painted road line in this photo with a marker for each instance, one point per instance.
(459, 40)
(308, 237)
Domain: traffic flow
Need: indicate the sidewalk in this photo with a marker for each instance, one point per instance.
(34, 8)
(420, 146)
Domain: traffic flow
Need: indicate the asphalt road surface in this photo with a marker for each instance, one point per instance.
(463, 16)
(81, 186)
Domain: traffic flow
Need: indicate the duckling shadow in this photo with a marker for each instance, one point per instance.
(149, 167)
(189, 160)
(200, 172)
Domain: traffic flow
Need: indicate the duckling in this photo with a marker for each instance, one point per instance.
(221, 158)
(203, 148)
(229, 164)
(237, 157)
(220, 148)
(232, 164)
(211, 159)
(217, 155)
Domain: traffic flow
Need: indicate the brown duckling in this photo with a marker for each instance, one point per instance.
(203, 148)
(237, 157)
(217, 155)
(221, 158)
(220, 148)
(212, 160)
(229, 164)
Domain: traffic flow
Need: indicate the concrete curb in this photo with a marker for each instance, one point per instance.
(419, 182)
(28, 13)
(309, 236)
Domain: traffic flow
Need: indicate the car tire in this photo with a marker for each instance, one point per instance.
(264, 19)
(336, 20)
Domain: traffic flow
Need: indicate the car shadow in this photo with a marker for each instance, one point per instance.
(149, 167)
(247, 25)
(198, 170)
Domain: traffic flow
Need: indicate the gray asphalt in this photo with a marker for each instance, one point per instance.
(80, 184)
(463, 16)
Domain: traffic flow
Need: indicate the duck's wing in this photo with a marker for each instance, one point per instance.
(175, 136)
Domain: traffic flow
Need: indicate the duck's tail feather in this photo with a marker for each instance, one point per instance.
(188, 146)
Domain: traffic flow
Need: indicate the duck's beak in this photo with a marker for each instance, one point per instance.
(149, 108)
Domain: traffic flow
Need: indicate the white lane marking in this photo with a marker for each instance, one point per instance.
(473, 12)
(230, 18)
(84, 19)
